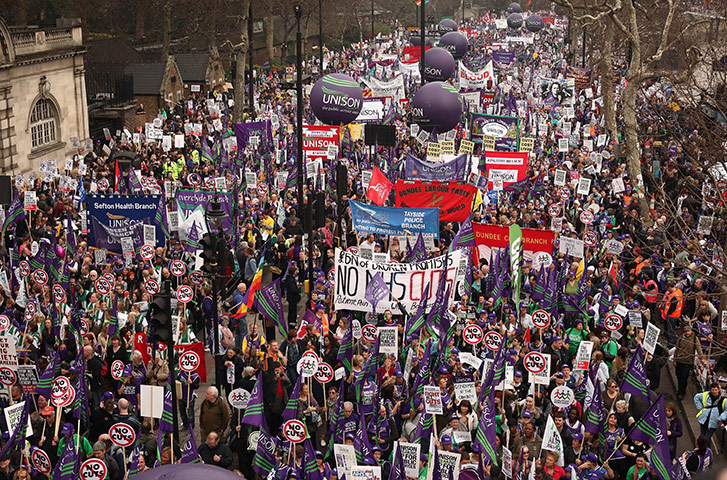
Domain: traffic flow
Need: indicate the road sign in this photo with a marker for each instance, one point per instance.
(58, 293)
(473, 334)
(493, 340)
(122, 434)
(294, 431)
(534, 362)
(151, 286)
(189, 361)
(93, 469)
(66, 399)
(196, 278)
(540, 318)
(613, 322)
(4, 323)
(369, 333)
(324, 374)
(554, 209)
(117, 369)
(185, 293)
(178, 268)
(41, 461)
(102, 185)
(60, 386)
(40, 277)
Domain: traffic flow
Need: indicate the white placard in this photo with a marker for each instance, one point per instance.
(584, 186)
(12, 418)
(410, 455)
(651, 337)
(559, 178)
(345, 459)
(388, 340)
(571, 246)
(152, 401)
(583, 355)
(433, 400)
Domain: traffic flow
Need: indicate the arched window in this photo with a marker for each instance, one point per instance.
(43, 123)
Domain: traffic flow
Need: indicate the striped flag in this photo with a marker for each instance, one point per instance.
(651, 429)
(291, 409)
(486, 436)
(269, 302)
(309, 463)
(254, 411)
(256, 281)
(16, 212)
(45, 382)
(191, 245)
(264, 460)
(345, 352)
(634, 381)
(161, 216)
(166, 425)
(134, 467)
(189, 451)
(67, 466)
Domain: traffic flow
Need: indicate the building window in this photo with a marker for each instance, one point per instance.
(43, 123)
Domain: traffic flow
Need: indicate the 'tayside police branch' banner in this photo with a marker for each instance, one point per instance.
(415, 169)
(394, 221)
(189, 200)
(453, 199)
(113, 217)
(535, 241)
(406, 281)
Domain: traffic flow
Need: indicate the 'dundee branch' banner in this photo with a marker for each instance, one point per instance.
(534, 242)
(394, 221)
(416, 169)
(115, 217)
(454, 200)
(406, 281)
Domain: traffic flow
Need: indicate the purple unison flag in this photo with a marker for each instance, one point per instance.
(17, 438)
(269, 302)
(191, 245)
(486, 436)
(419, 252)
(166, 424)
(651, 429)
(594, 416)
(398, 472)
(362, 444)
(376, 290)
(135, 184)
(635, 381)
(264, 460)
(189, 451)
(67, 466)
(16, 212)
(254, 412)
(291, 409)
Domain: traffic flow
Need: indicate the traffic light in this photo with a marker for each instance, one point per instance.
(210, 257)
(161, 320)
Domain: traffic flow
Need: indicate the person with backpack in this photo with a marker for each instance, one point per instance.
(711, 410)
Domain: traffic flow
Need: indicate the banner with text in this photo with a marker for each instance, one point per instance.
(394, 221)
(116, 217)
(535, 242)
(454, 200)
(415, 169)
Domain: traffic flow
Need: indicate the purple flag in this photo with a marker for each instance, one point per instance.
(398, 472)
(419, 252)
(17, 438)
(651, 429)
(166, 424)
(189, 451)
(254, 412)
(635, 381)
(376, 290)
(67, 467)
(595, 414)
(191, 245)
(465, 236)
(362, 444)
(264, 460)
(486, 436)
(269, 302)
(291, 409)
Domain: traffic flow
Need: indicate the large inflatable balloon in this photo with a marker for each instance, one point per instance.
(336, 99)
(514, 8)
(447, 25)
(455, 43)
(534, 23)
(515, 21)
(436, 106)
(439, 65)
(187, 471)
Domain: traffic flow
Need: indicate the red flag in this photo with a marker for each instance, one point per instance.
(529, 3)
(379, 188)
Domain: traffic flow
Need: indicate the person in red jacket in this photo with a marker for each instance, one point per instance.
(551, 468)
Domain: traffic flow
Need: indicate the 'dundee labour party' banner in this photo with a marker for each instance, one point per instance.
(189, 200)
(406, 281)
(454, 200)
(111, 218)
(394, 221)
(416, 169)
(537, 244)
(508, 167)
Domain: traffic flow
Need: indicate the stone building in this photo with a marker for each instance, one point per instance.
(43, 114)
(201, 72)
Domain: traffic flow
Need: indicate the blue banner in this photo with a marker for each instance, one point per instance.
(394, 221)
(113, 217)
(416, 169)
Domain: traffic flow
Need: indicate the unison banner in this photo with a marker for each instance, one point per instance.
(506, 130)
(261, 130)
(415, 169)
(317, 139)
(189, 200)
(406, 281)
(394, 221)
(114, 217)
(453, 199)
(510, 167)
(373, 110)
(494, 236)
(394, 88)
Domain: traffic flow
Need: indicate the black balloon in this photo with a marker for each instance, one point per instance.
(416, 40)
(439, 65)
(455, 43)
(534, 23)
(436, 106)
(515, 21)
(187, 471)
(447, 25)
(514, 8)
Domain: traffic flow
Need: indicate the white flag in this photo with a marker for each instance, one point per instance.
(552, 440)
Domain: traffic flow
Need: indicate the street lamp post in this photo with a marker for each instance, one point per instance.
(299, 107)
(214, 216)
(249, 62)
(423, 38)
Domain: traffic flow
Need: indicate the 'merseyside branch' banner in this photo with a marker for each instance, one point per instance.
(406, 281)
(453, 199)
(494, 236)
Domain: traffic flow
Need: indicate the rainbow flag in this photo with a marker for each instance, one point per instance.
(254, 286)
(419, 2)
